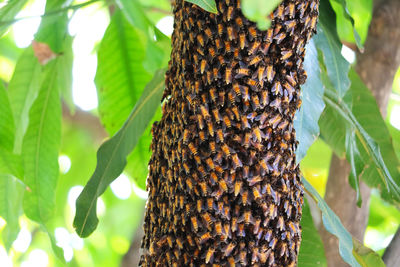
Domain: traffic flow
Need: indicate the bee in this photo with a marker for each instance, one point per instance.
(290, 25)
(270, 73)
(226, 150)
(240, 231)
(200, 121)
(255, 60)
(245, 198)
(286, 54)
(260, 74)
(222, 185)
(280, 37)
(245, 122)
(277, 88)
(254, 180)
(211, 52)
(258, 135)
(236, 161)
(313, 22)
(203, 65)
(218, 228)
(237, 188)
(229, 248)
(220, 136)
(197, 87)
(257, 193)
(273, 243)
(186, 168)
(220, 29)
(254, 255)
(204, 237)
(253, 33)
(192, 148)
(226, 213)
(235, 111)
(208, 33)
(204, 112)
(245, 93)
(209, 258)
(228, 75)
(239, 22)
(242, 71)
(290, 10)
(202, 136)
(231, 33)
(195, 223)
(242, 40)
(264, 99)
(228, 47)
(253, 49)
(274, 121)
(186, 136)
(218, 44)
(213, 94)
(282, 126)
(278, 13)
(255, 86)
(200, 39)
(227, 122)
(280, 223)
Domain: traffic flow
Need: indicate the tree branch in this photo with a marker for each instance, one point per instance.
(376, 67)
(392, 252)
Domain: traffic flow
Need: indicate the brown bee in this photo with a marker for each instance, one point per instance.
(254, 48)
(278, 13)
(236, 161)
(229, 248)
(231, 33)
(228, 75)
(200, 39)
(238, 188)
(209, 257)
(289, 10)
(280, 37)
(286, 54)
(195, 223)
(242, 40)
(228, 47)
(277, 88)
(257, 193)
(255, 60)
(253, 33)
(220, 29)
(220, 136)
(203, 65)
(223, 185)
(242, 71)
(204, 237)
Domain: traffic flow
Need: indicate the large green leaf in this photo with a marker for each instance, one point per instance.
(258, 11)
(7, 128)
(328, 42)
(8, 12)
(312, 251)
(346, 14)
(22, 91)
(11, 163)
(306, 120)
(134, 13)
(350, 249)
(11, 193)
(111, 156)
(376, 161)
(120, 76)
(40, 149)
(207, 5)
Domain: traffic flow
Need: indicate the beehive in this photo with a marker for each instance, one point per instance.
(224, 187)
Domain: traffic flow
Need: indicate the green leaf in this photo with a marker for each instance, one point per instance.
(11, 164)
(366, 256)
(258, 11)
(360, 114)
(7, 128)
(328, 42)
(312, 251)
(22, 91)
(65, 73)
(306, 120)
(120, 76)
(356, 164)
(134, 13)
(8, 12)
(348, 16)
(334, 226)
(207, 5)
(111, 156)
(11, 192)
(40, 149)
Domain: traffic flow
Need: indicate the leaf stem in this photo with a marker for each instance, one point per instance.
(50, 13)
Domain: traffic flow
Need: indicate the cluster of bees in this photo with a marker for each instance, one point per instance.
(224, 187)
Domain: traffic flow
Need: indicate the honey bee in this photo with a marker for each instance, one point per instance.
(290, 10)
(242, 40)
(195, 223)
(278, 13)
(274, 121)
(218, 228)
(273, 243)
(254, 180)
(220, 136)
(226, 150)
(200, 39)
(236, 161)
(286, 54)
(209, 258)
(238, 188)
(254, 47)
(227, 122)
(245, 93)
(228, 47)
(240, 231)
(223, 185)
(226, 213)
(258, 135)
(231, 33)
(245, 198)
(242, 71)
(253, 33)
(277, 88)
(290, 25)
(239, 22)
(200, 121)
(255, 86)
(186, 167)
(204, 237)
(203, 66)
(228, 75)
(192, 148)
(229, 248)
(235, 111)
(280, 223)
(220, 29)
(257, 193)
(255, 60)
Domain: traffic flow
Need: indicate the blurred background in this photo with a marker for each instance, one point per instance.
(121, 208)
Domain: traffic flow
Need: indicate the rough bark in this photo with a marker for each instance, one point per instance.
(391, 256)
(376, 67)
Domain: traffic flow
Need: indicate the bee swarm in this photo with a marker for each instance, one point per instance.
(224, 187)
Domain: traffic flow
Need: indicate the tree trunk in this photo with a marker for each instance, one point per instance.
(223, 185)
(377, 67)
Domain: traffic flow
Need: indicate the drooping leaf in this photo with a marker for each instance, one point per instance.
(8, 12)
(328, 42)
(347, 16)
(11, 193)
(306, 120)
(333, 225)
(356, 164)
(135, 14)
(40, 149)
(366, 256)
(22, 91)
(11, 163)
(207, 5)
(120, 76)
(7, 128)
(376, 162)
(258, 11)
(111, 156)
(312, 251)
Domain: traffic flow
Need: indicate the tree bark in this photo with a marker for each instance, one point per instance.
(391, 256)
(377, 67)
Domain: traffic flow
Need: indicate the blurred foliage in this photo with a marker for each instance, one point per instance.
(132, 50)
